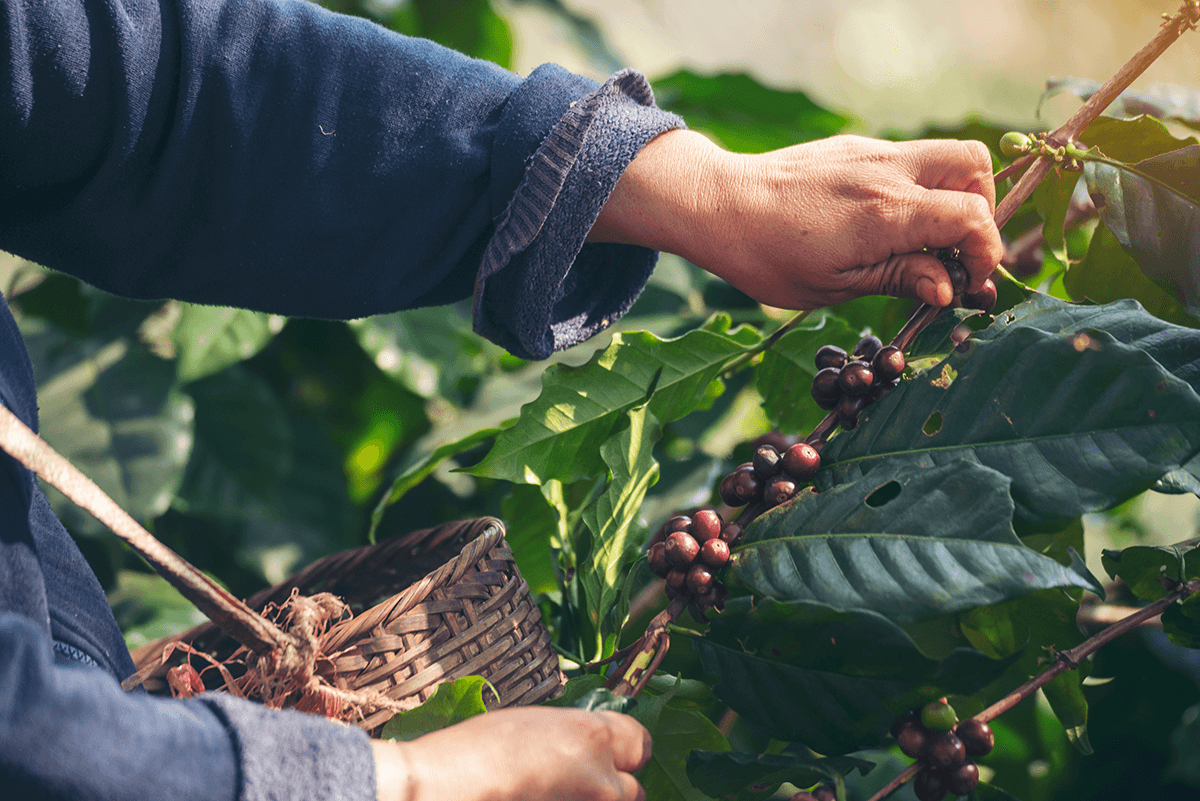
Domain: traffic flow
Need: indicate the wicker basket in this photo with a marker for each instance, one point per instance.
(432, 606)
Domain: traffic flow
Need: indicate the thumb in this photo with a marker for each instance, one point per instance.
(917, 275)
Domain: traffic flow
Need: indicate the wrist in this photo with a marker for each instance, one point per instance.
(395, 777)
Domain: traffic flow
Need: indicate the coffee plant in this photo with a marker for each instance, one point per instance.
(831, 556)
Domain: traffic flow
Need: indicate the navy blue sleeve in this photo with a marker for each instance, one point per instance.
(273, 155)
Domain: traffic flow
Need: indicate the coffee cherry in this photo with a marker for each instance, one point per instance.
(830, 356)
(677, 523)
(826, 792)
(1015, 143)
(657, 560)
(930, 785)
(731, 533)
(726, 491)
(977, 737)
(939, 716)
(766, 462)
(909, 717)
(913, 739)
(803, 797)
(856, 378)
(801, 461)
(848, 409)
(779, 490)
(681, 549)
(715, 553)
(706, 525)
(945, 750)
(958, 274)
(746, 487)
(700, 579)
(719, 596)
(963, 780)
(984, 300)
(867, 347)
(677, 581)
(888, 363)
(882, 389)
(825, 388)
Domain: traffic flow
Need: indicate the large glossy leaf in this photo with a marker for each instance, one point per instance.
(910, 539)
(1145, 568)
(558, 436)
(677, 729)
(742, 113)
(210, 338)
(752, 777)
(1153, 208)
(1065, 694)
(1132, 140)
(784, 377)
(1075, 417)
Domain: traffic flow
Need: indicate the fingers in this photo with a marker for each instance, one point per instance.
(943, 218)
(631, 742)
(962, 166)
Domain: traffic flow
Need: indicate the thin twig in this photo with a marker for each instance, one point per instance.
(767, 343)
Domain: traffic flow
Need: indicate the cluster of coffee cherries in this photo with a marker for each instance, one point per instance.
(771, 476)
(825, 792)
(984, 300)
(848, 383)
(688, 552)
(934, 736)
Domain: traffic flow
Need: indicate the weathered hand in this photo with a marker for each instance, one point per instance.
(813, 224)
(526, 754)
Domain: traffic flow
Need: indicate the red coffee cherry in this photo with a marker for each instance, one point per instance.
(801, 462)
(984, 300)
(677, 523)
(657, 560)
(913, 738)
(945, 750)
(699, 579)
(848, 409)
(888, 363)
(677, 581)
(731, 533)
(825, 388)
(681, 549)
(706, 524)
(715, 553)
(977, 737)
(780, 490)
(856, 379)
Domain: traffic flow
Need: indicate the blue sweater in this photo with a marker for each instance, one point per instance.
(272, 155)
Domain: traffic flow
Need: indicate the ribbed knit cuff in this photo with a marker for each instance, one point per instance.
(539, 288)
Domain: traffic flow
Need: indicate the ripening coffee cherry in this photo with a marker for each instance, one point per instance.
(825, 388)
(912, 715)
(779, 490)
(867, 347)
(746, 486)
(939, 716)
(731, 533)
(706, 525)
(801, 461)
(766, 462)
(964, 779)
(715, 554)
(725, 490)
(681, 549)
(699, 579)
(930, 785)
(657, 560)
(856, 378)
(830, 356)
(958, 275)
(977, 737)
(826, 792)
(945, 750)
(677, 581)
(912, 738)
(984, 300)
(677, 523)
(888, 363)
(848, 409)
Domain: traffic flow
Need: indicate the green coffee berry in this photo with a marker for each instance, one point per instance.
(1014, 144)
(939, 716)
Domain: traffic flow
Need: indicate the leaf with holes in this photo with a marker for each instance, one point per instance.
(1052, 396)
(908, 540)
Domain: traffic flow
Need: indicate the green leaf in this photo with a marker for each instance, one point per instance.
(1052, 198)
(1051, 396)
(742, 113)
(1107, 273)
(1132, 140)
(784, 378)
(1045, 619)
(1065, 694)
(676, 732)
(210, 338)
(533, 527)
(752, 777)
(1153, 209)
(908, 540)
(1142, 567)
(1176, 102)
(452, 702)
(558, 436)
(1181, 622)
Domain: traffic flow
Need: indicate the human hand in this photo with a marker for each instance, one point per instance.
(813, 224)
(522, 754)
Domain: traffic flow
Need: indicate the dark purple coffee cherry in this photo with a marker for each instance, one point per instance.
(856, 378)
(699, 579)
(731, 533)
(677, 523)
(779, 490)
(801, 462)
(830, 356)
(945, 750)
(681, 549)
(930, 785)
(715, 554)
(825, 388)
(867, 347)
(964, 779)
(826, 792)
(888, 363)
(984, 300)
(977, 737)
(904, 720)
(882, 389)
(766, 462)
(746, 486)
(725, 490)
(913, 738)
(803, 797)
(657, 560)
(677, 581)
(706, 525)
(958, 274)
(848, 409)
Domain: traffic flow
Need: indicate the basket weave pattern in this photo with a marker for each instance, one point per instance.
(472, 615)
